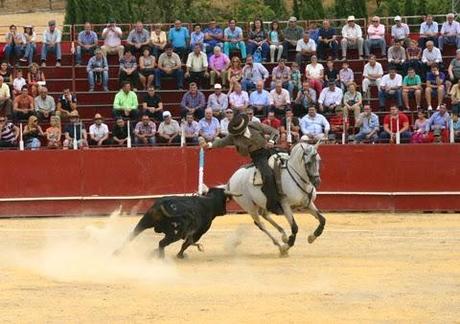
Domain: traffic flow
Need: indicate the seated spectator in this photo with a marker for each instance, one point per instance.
(158, 41)
(296, 76)
(306, 97)
(213, 36)
(252, 118)
(397, 56)
(53, 133)
(455, 97)
(218, 102)
(260, 100)
(294, 128)
(438, 125)
(18, 83)
(6, 73)
(450, 33)
(32, 134)
(152, 105)
(352, 37)
(144, 132)
(112, 40)
(138, 39)
(314, 73)
(179, 38)
(44, 105)
(75, 131)
(454, 68)
(372, 75)
(400, 32)
(352, 101)
(314, 126)
(368, 124)
(375, 37)
(238, 99)
(120, 132)
(99, 132)
(15, 43)
(234, 72)
(412, 86)
(431, 56)
(233, 39)
(413, 58)
(6, 104)
(313, 31)
(98, 71)
(193, 101)
(197, 66)
(51, 43)
(209, 126)
(271, 120)
(252, 73)
(169, 130)
(224, 122)
(419, 136)
(218, 64)
(169, 64)
(339, 127)
(275, 41)
(390, 87)
(128, 70)
(147, 65)
(29, 37)
(86, 43)
(125, 103)
(280, 99)
(330, 98)
(428, 32)
(35, 78)
(327, 40)
(346, 76)
(292, 34)
(435, 86)
(393, 123)
(456, 127)
(66, 104)
(9, 133)
(257, 41)
(306, 47)
(23, 106)
(330, 73)
(282, 73)
(197, 38)
(191, 129)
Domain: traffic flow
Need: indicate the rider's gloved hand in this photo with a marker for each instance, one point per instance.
(202, 142)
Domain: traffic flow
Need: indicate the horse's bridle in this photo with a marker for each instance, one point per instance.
(304, 181)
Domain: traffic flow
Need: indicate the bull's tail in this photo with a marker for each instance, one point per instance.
(144, 223)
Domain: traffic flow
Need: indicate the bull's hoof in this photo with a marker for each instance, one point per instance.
(284, 251)
(157, 253)
(311, 238)
(199, 247)
(181, 256)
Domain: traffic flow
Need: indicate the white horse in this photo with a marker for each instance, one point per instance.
(299, 179)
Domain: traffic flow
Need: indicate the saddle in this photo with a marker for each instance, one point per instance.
(276, 162)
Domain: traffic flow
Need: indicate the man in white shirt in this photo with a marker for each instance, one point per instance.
(314, 126)
(428, 32)
(218, 101)
(431, 55)
(224, 122)
(390, 87)
(450, 33)
(238, 99)
(98, 132)
(400, 32)
(330, 98)
(280, 98)
(352, 37)
(306, 47)
(197, 66)
(372, 75)
(169, 131)
(51, 43)
(112, 39)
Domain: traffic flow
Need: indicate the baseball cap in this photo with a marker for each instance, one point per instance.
(217, 86)
(398, 18)
(166, 114)
(52, 23)
(292, 18)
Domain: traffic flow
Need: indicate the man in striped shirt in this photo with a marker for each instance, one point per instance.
(9, 133)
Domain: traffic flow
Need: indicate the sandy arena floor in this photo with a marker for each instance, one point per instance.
(365, 268)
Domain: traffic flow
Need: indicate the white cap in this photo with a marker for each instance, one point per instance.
(292, 18)
(398, 18)
(351, 18)
(217, 86)
(166, 114)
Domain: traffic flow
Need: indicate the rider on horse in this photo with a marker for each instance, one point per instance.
(250, 139)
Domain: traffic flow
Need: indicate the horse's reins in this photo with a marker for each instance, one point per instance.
(309, 194)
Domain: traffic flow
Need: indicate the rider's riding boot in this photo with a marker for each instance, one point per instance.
(274, 207)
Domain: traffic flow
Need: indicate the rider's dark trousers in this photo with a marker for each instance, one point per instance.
(260, 160)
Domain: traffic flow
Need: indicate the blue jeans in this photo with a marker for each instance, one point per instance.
(370, 43)
(11, 48)
(448, 40)
(251, 48)
(33, 143)
(404, 136)
(228, 46)
(384, 95)
(176, 74)
(92, 77)
(81, 50)
(247, 85)
(56, 50)
(361, 136)
(29, 52)
(150, 140)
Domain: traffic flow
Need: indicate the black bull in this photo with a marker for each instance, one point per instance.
(179, 217)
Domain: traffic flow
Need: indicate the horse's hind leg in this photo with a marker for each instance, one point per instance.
(322, 222)
(261, 226)
(266, 215)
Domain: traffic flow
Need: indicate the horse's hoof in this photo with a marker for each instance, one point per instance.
(284, 238)
(311, 238)
(284, 251)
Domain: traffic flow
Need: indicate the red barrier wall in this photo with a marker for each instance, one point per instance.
(354, 177)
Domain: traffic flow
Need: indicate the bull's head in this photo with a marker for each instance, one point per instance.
(219, 198)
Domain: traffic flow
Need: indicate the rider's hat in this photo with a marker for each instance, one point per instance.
(238, 124)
